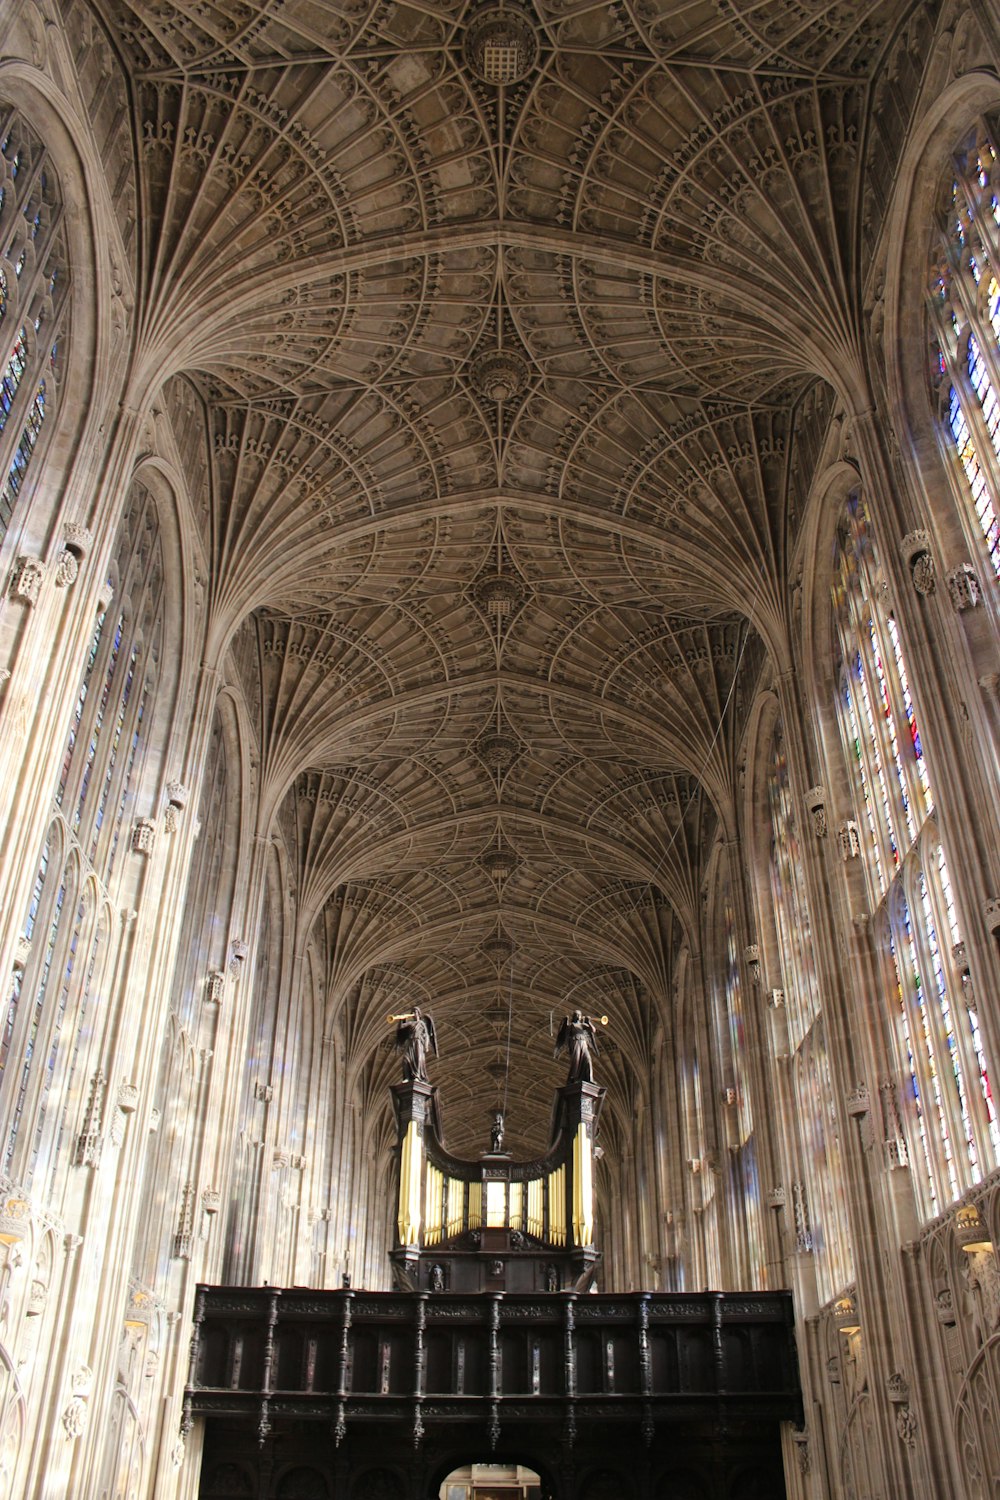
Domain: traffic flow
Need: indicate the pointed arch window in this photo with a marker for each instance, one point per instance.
(34, 285)
(879, 725)
(965, 318)
(742, 1177)
(946, 1113)
(52, 1009)
(788, 898)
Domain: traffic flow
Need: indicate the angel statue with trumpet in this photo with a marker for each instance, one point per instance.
(415, 1039)
(578, 1036)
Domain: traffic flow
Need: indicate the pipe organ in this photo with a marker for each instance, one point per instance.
(495, 1224)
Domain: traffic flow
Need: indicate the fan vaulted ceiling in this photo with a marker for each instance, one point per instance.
(505, 383)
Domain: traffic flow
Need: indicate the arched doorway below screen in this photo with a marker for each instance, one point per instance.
(491, 1481)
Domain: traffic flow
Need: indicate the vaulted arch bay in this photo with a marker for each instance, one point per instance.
(499, 517)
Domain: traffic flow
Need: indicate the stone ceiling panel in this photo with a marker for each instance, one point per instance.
(501, 379)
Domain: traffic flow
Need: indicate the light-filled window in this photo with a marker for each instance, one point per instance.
(965, 319)
(34, 283)
(52, 1024)
(940, 1101)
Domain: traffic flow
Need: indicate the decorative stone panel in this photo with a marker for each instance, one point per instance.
(67, 569)
(815, 800)
(850, 839)
(916, 553)
(144, 836)
(26, 580)
(963, 587)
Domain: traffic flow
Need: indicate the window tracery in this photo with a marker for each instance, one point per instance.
(816, 1116)
(965, 317)
(95, 789)
(34, 282)
(948, 1114)
(740, 1172)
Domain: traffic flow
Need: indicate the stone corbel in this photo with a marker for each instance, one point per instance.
(751, 954)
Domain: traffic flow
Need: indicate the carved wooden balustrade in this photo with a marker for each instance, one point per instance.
(406, 1365)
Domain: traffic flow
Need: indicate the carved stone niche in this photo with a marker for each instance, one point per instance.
(915, 549)
(751, 954)
(963, 587)
(815, 800)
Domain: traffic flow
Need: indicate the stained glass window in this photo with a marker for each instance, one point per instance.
(788, 899)
(946, 1109)
(964, 302)
(878, 720)
(101, 765)
(33, 304)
